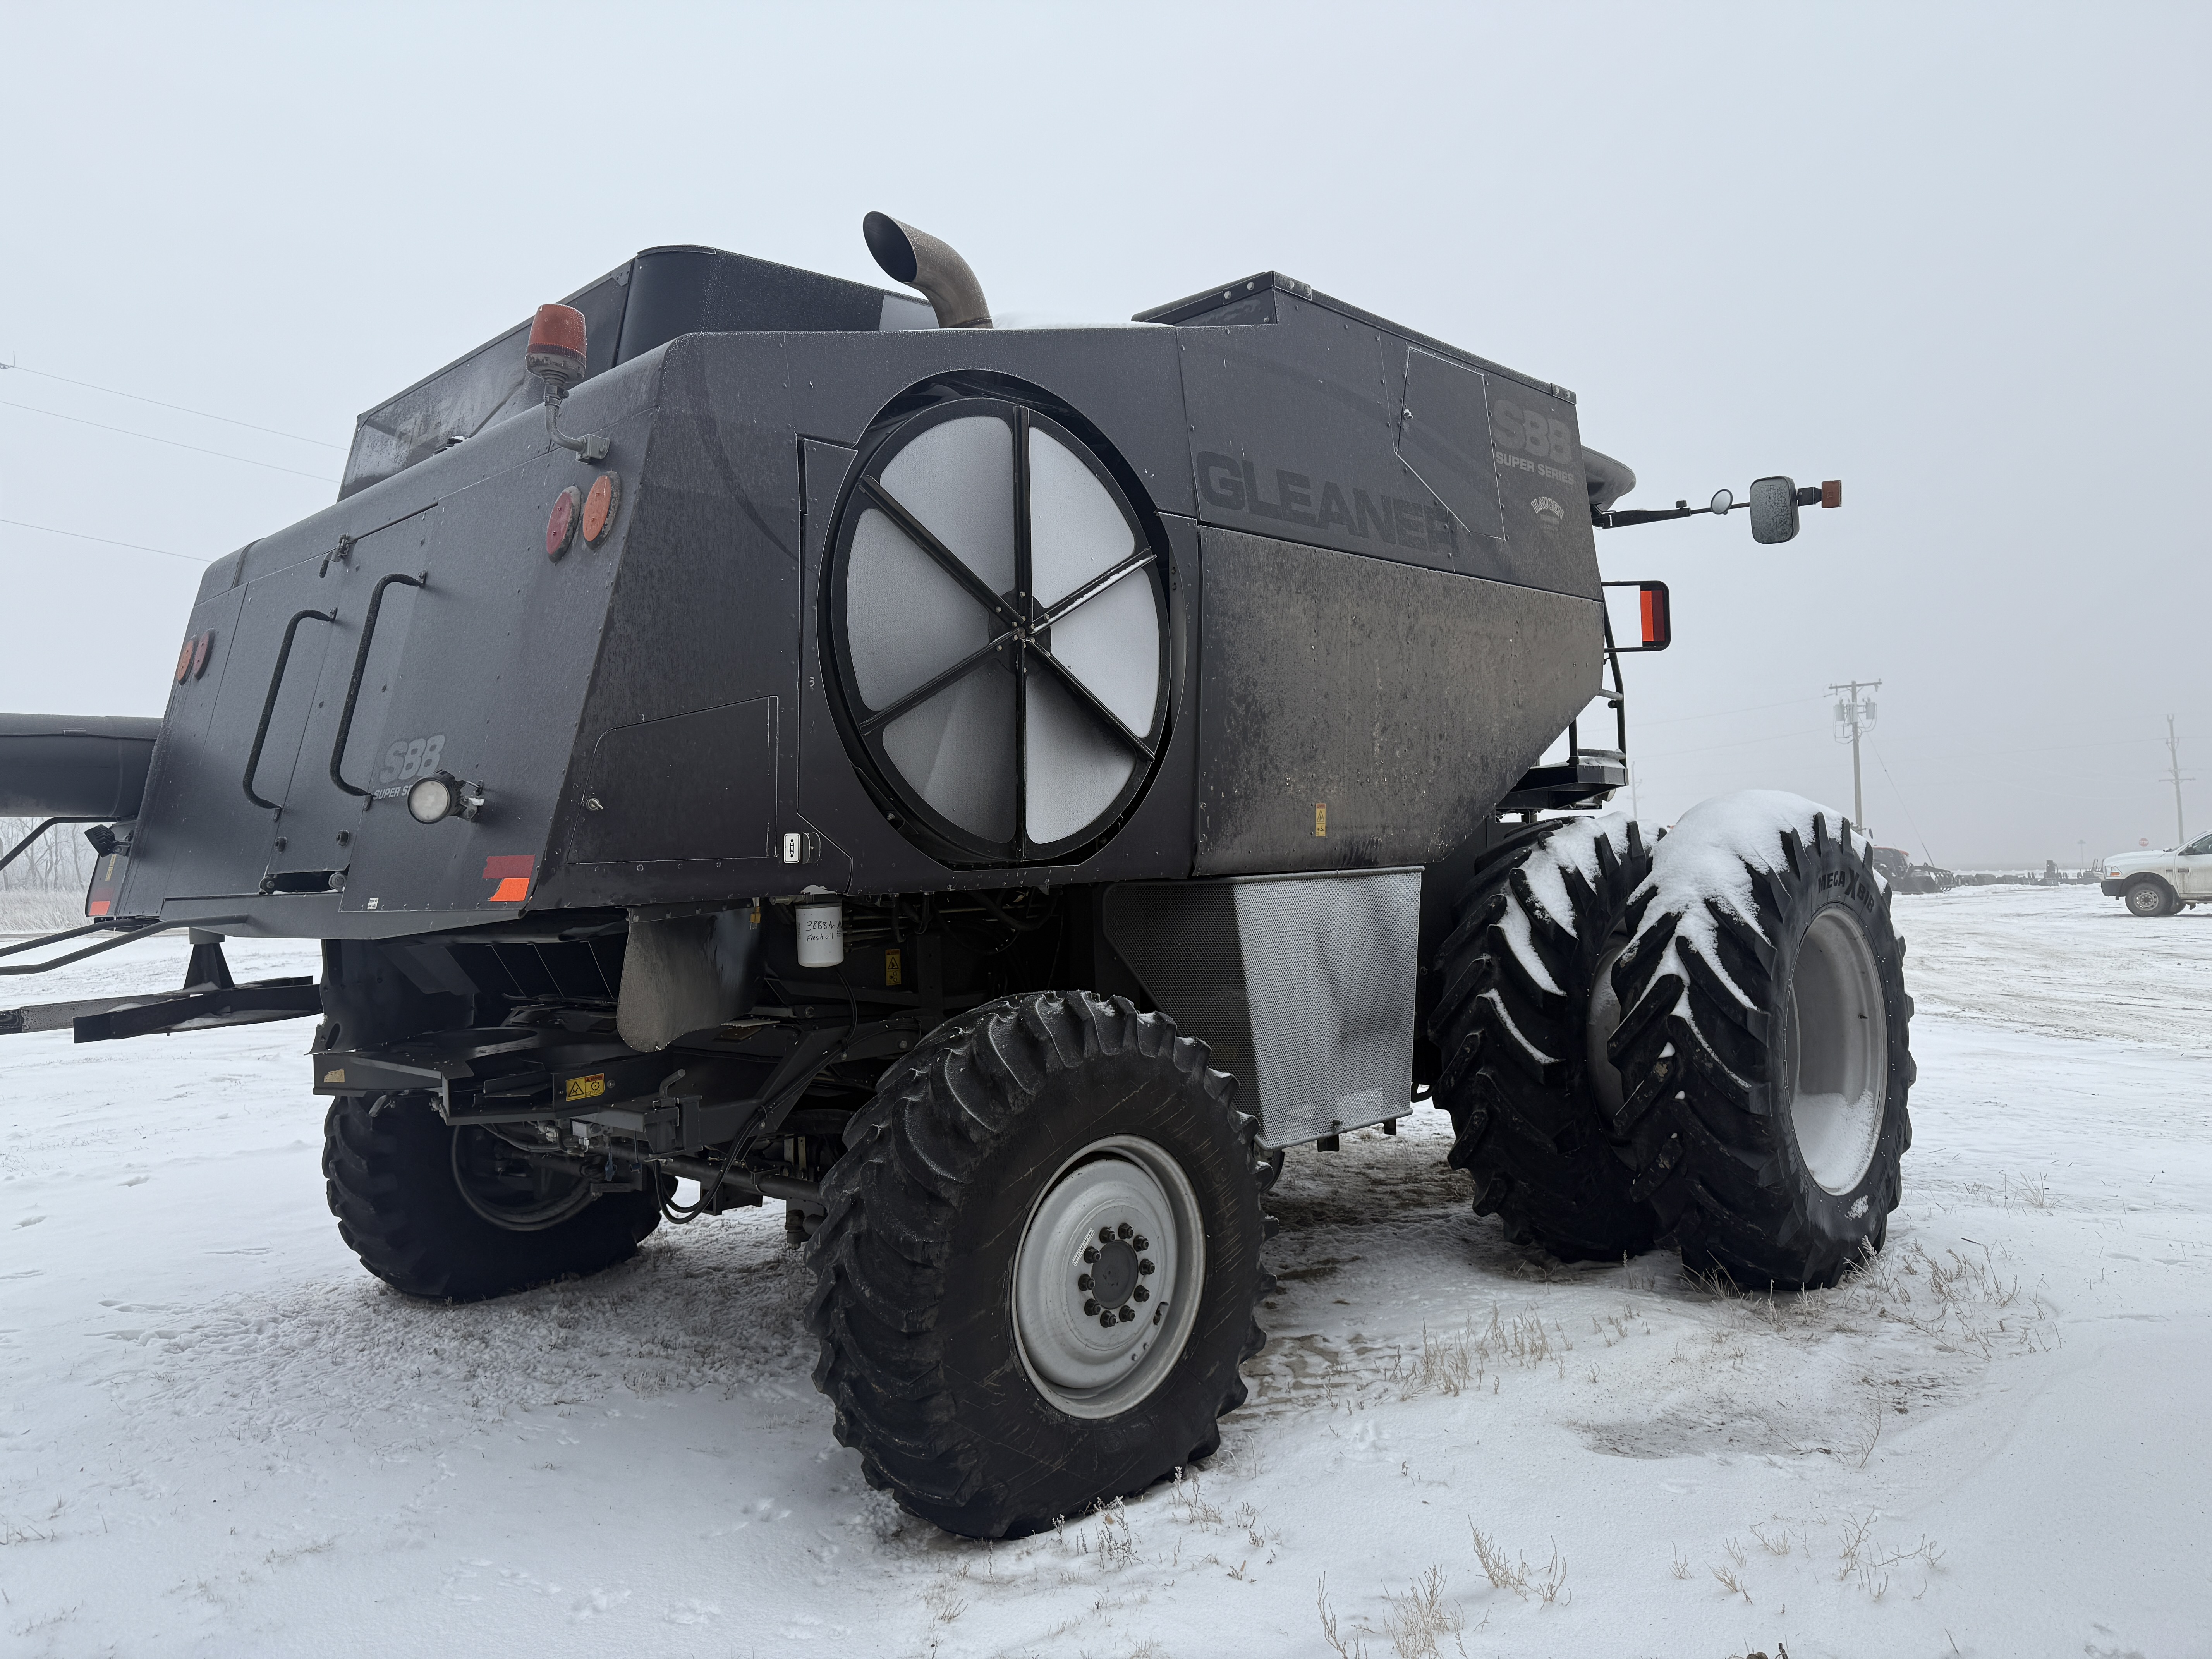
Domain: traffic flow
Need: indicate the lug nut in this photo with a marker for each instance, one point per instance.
(1091, 1253)
(1083, 1281)
(1090, 1307)
(1144, 1266)
(1106, 1318)
(1128, 1315)
(1141, 1242)
(1125, 1230)
(1142, 1294)
(1105, 1235)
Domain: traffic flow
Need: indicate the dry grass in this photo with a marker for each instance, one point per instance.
(1461, 1362)
(1345, 1644)
(1962, 1300)
(1416, 1621)
(1870, 1565)
(2013, 1192)
(1419, 1620)
(1547, 1584)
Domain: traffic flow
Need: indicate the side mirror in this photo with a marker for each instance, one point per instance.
(1723, 504)
(1774, 510)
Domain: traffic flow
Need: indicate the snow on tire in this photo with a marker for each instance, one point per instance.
(1531, 1095)
(1763, 1049)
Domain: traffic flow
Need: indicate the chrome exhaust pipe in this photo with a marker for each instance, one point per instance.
(920, 261)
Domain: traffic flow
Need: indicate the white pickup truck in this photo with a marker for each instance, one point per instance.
(2159, 883)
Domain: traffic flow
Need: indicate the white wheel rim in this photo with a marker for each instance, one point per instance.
(1129, 1204)
(1838, 1056)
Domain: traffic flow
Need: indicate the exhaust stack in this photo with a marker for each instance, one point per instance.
(920, 261)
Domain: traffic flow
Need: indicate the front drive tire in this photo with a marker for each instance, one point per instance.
(1766, 1129)
(1531, 1096)
(394, 1171)
(1037, 1279)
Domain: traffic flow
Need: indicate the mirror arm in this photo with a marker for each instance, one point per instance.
(1621, 520)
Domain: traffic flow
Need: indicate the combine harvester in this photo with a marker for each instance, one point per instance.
(992, 790)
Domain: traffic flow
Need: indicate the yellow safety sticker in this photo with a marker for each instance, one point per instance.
(588, 1088)
(334, 1077)
(1321, 817)
(890, 968)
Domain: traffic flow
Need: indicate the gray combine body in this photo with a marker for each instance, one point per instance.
(994, 791)
(1353, 594)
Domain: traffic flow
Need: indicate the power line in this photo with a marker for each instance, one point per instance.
(105, 541)
(1740, 743)
(180, 408)
(1899, 793)
(196, 449)
(1716, 714)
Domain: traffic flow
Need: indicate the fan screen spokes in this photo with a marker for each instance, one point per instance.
(998, 624)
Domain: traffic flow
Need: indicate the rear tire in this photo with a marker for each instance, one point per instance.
(1766, 1127)
(956, 1227)
(391, 1175)
(1531, 1103)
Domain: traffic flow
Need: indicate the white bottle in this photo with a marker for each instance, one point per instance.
(821, 929)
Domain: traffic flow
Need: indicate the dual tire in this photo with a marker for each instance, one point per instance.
(1706, 1042)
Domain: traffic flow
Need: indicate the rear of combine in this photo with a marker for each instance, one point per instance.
(993, 792)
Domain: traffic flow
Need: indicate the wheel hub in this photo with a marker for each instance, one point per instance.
(510, 1188)
(1837, 1062)
(1106, 1280)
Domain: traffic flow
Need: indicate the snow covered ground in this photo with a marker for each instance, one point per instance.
(219, 1436)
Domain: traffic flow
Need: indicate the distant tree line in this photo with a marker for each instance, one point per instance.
(59, 861)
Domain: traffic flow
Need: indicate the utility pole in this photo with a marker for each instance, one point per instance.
(1855, 715)
(2173, 770)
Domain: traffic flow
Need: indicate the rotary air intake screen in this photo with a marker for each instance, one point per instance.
(999, 625)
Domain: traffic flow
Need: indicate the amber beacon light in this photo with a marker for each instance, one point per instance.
(555, 355)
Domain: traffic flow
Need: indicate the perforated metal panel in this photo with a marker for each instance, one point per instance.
(1302, 986)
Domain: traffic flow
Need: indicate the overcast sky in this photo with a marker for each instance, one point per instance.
(1955, 257)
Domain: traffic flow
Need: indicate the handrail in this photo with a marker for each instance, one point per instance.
(122, 937)
(24, 845)
(360, 667)
(268, 702)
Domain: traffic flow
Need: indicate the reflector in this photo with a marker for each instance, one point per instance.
(1832, 492)
(560, 525)
(1654, 620)
(599, 508)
